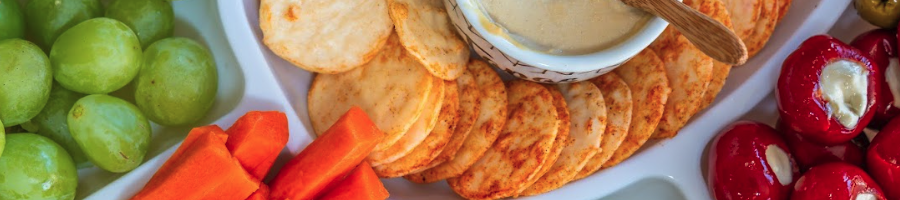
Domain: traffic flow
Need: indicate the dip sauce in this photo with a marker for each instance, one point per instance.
(563, 27)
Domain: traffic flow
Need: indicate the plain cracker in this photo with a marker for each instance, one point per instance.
(393, 102)
(426, 32)
(325, 36)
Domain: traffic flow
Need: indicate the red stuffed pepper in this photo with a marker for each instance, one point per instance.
(749, 160)
(880, 45)
(883, 157)
(836, 180)
(810, 154)
(827, 90)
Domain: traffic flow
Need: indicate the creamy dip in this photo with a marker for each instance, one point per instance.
(564, 27)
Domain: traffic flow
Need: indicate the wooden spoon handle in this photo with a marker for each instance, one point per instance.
(705, 33)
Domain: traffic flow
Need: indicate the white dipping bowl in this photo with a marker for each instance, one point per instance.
(541, 67)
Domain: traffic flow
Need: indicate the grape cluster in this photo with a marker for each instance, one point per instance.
(59, 62)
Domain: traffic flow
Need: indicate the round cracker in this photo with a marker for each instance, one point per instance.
(324, 36)
(523, 146)
(783, 7)
(427, 33)
(561, 142)
(469, 107)
(645, 75)
(764, 27)
(665, 39)
(417, 133)
(744, 15)
(393, 102)
(419, 157)
(719, 77)
(619, 108)
(491, 119)
(716, 10)
(689, 72)
(586, 105)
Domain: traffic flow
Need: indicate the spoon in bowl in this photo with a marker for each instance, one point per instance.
(705, 33)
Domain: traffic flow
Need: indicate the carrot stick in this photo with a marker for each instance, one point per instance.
(261, 194)
(238, 185)
(192, 136)
(201, 168)
(360, 184)
(256, 139)
(343, 146)
(199, 132)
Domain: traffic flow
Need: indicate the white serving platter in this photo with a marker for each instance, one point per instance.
(666, 169)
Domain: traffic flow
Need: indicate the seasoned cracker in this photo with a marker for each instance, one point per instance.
(417, 133)
(646, 76)
(619, 108)
(768, 19)
(418, 158)
(716, 10)
(523, 146)
(744, 14)
(587, 109)
(469, 107)
(491, 119)
(689, 72)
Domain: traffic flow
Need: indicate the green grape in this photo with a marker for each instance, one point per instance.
(30, 127)
(35, 167)
(151, 20)
(47, 19)
(177, 84)
(12, 24)
(25, 80)
(98, 56)
(51, 122)
(112, 132)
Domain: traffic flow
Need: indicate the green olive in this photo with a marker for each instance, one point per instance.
(881, 13)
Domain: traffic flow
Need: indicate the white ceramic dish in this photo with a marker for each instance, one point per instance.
(530, 65)
(672, 169)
